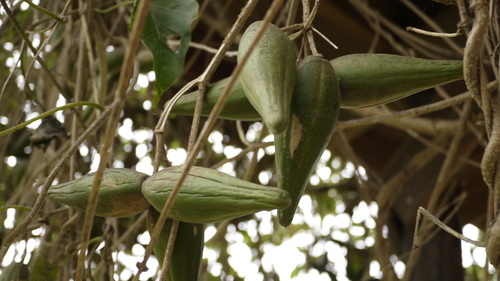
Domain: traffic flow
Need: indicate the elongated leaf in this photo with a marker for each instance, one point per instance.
(168, 19)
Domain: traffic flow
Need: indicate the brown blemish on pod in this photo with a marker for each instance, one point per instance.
(297, 134)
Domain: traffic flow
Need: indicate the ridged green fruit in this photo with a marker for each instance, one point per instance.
(268, 77)
(188, 247)
(209, 196)
(374, 79)
(365, 80)
(314, 112)
(119, 195)
(237, 106)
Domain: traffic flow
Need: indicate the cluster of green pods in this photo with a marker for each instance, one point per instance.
(365, 80)
(299, 103)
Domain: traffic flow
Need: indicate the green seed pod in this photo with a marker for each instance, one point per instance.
(374, 79)
(119, 195)
(237, 106)
(314, 112)
(365, 80)
(188, 247)
(268, 77)
(209, 196)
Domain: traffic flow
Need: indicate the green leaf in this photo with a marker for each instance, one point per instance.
(168, 19)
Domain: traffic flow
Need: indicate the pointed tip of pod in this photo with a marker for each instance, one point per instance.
(285, 217)
(277, 122)
(119, 195)
(268, 77)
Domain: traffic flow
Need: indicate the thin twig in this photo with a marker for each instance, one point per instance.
(199, 46)
(433, 34)
(308, 17)
(412, 112)
(429, 21)
(120, 95)
(211, 119)
(325, 38)
(417, 43)
(208, 34)
(456, 203)
(175, 224)
(241, 133)
(422, 211)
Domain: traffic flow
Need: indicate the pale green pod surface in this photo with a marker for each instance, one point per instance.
(188, 248)
(119, 194)
(268, 77)
(237, 106)
(314, 112)
(209, 196)
(374, 79)
(365, 80)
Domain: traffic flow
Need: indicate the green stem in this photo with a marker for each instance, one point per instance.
(48, 113)
(47, 12)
